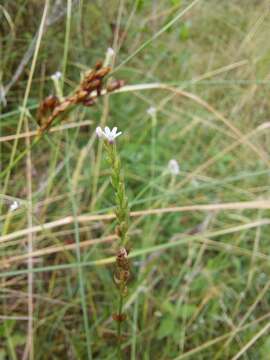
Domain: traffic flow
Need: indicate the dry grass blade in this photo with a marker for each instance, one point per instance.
(260, 204)
(56, 249)
(52, 130)
(252, 341)
(212, 342)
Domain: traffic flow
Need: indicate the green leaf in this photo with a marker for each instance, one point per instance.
(176, 2)
(265, 348)
(186, 311)
(18, 339)
(166, 327)
(184, 31)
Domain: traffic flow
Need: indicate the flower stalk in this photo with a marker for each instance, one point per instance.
(122, 265)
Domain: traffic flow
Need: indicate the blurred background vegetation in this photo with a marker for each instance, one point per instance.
(200, 286)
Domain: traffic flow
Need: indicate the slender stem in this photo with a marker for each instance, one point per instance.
(18, 158)
(81, 276)
(119, 327)
(67, 38)
(122, 272)
(29, 349)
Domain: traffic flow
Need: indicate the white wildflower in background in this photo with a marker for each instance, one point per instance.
(57, 84)
(109, 57)
(110, 52)
(56, 76)
(3, 96)
(108, 134)
(14, 206)
(152, 111)
(173, 167)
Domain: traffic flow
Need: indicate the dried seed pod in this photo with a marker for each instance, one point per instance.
(80, 95)
(51, 107)
(92, 85)
(98, 65)
(114, 85)
(119, 317)
(122, 259)
(116, 278)
(124, 264)
(46, 108)
(88, 77)
(125, 275)
(101, 73)
(118, 231)
(122, 253)
(89, 102)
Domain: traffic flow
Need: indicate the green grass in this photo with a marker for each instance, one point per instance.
(200, 286)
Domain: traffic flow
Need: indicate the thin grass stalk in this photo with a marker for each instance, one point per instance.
(7, 171)
(81, 276)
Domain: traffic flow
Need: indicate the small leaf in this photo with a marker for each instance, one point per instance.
(265, 348)
(166, 327)
(186, 311)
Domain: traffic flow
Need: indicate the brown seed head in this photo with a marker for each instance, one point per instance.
(46, 108)
(122, 253)
(98, 65)
(119, 317)
(114, 85)
(101, 73)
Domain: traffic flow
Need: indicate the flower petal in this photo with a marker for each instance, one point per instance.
(108, 134)
(119, 133)
(99, 132)
(107, 131)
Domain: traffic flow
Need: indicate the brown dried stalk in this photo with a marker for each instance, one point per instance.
(89, 90)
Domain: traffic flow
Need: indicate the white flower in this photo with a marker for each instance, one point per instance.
(56, 76)
(152, 111)
(14, 206)
(108, 134)
(173, 167)
(110, 52)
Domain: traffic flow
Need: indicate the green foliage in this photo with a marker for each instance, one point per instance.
(265, 348)
(196, 273)
(166, 327)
